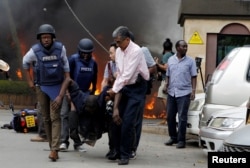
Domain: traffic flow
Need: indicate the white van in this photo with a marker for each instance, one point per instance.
(230, 84)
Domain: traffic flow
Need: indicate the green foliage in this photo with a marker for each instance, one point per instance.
(14, 87)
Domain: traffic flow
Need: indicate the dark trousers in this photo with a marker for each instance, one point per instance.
(109, 124)
(180, 106)
(138, 127)
(129, 107)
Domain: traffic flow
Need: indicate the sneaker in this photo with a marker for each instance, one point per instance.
(80, 148)
(132, 155)
(63, 147)
(38, 139)
(109, 107)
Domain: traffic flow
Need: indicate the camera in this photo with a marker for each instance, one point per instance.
(198, 62)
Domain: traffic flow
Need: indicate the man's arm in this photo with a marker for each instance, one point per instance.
(193, 81)
(29, 78)
(165, 89)
(116, 114)
(104, 83)
(58, 101)
(152, 69)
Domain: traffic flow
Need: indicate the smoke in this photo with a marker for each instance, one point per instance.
(150, 21)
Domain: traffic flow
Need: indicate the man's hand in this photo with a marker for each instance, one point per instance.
(56, 104)
(116, 117)
(31, 85)
(111, 94)
(192, 97)
(165, 89)
(156, 60)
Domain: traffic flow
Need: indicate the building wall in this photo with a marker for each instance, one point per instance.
(203, 27)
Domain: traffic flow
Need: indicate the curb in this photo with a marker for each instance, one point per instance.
(155, 126)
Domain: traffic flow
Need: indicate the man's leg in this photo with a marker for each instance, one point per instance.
(65, 124)
(48, 119)
(74, 134)
(183, 106)
(55, 128)
(41, 130)
(134, 95)
(172, 111)
(41, 137)
(138, 128)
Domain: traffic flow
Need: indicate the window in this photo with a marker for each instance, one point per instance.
(227, 42)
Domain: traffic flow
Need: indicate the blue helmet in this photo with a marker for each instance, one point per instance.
(46, 29)
(85, 45)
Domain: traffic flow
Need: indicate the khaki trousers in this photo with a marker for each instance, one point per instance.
(51, 118)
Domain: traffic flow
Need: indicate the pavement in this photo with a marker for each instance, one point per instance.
(18, 151)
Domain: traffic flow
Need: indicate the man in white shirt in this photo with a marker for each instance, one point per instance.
(129, 88)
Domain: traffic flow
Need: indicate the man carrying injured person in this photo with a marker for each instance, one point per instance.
(91, 123)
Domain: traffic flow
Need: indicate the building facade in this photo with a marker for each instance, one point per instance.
(212, 29)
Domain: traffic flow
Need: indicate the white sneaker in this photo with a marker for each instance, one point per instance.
(63, 147)
(80, 148)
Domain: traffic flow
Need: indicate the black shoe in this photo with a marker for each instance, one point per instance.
(123, 162)
(114, 156)
(181, 145)
(170, 142)
(132, 156)
(111, 152)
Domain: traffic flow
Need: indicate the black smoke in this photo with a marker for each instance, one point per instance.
(151, 22)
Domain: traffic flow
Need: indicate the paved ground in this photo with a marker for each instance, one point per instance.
(17, 151)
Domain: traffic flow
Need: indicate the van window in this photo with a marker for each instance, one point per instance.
(228, 42)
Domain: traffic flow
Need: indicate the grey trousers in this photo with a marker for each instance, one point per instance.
(69, 124)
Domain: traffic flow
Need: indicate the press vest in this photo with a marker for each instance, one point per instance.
(49, 68)
(83, 72)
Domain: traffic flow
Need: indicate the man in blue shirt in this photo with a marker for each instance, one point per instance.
(180, 86)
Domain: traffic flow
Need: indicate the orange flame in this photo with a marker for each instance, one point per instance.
(152, 116)
(149, 108)
(19, 74)
(150, 105)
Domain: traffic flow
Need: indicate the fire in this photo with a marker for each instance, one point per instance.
(162, 114)
(150, 105)
(153, 108)
(149, 108)
(97, 92)
(19, 74)
(152, 116)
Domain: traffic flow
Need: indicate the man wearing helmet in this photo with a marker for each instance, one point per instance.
(50, 67)
(83, 70)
